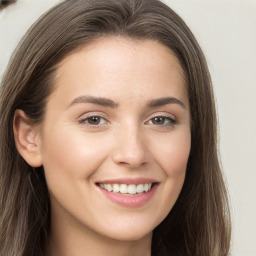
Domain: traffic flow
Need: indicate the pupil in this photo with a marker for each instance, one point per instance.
(94, 120)
(158, 120)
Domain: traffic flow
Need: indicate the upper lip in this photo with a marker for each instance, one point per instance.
(135, 181)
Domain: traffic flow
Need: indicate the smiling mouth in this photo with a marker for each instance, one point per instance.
(127, 189)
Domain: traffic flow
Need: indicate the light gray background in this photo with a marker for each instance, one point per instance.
(226, 30)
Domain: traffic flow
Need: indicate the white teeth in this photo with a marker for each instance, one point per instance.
(146, 187)
(127, 189)
(123, 189)
(132, 189)
(140, 188)
(116, 188)
(109, 188)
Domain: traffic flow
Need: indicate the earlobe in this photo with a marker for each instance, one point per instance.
(27, 139)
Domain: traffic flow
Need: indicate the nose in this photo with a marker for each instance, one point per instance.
(130, 148)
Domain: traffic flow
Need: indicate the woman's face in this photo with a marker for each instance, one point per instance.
(119, 115)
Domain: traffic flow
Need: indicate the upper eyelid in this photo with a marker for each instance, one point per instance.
(83, 122)
(162, 114)
(104, 115)
(92, 113)
(87, 117)
(172, 120)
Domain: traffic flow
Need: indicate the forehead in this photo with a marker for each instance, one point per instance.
(113, 64)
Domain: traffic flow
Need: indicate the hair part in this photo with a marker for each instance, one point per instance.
(199, 223)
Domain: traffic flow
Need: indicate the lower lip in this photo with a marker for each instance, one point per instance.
(137, 200)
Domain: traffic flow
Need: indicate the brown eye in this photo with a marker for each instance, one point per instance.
(93, 121)
(158, 120)
(162, 121)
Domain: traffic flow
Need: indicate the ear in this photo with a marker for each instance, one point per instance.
(27, 139)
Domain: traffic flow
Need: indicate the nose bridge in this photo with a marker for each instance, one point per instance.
(130, 146)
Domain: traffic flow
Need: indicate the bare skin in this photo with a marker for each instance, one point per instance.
(119, 111)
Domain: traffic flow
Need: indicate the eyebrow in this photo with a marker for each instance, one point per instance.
(95, 100)
(165, 101)
(110, 103)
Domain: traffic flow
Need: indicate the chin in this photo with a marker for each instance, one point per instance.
(130, 235)
(126, 232)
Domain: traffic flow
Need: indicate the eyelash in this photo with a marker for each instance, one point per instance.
(170, 121)
(86, 121)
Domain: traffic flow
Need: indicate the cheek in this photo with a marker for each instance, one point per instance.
(172, 153)
(69, 160)
(71, 155)
(172, 156)
(175, 163)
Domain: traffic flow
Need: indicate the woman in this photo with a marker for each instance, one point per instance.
(108, 137)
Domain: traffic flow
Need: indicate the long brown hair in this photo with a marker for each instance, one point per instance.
(199, 223)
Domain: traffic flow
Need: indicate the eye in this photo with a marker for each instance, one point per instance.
(162, 121)
(93, 121)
